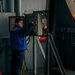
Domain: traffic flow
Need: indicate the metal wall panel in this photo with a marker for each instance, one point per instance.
(4, 24)
(35, 5)
(29, 55)
(5, 51)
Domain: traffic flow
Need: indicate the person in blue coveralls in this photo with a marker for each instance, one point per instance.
(18, 45)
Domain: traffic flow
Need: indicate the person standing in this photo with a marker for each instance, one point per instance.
(18, 46)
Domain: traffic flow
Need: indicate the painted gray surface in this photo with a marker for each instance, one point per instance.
(25, 5)
(4, 24)
(29, 55)
(4, 42)
(33, 5)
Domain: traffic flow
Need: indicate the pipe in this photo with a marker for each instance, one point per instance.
(18, 7)
(9, 6)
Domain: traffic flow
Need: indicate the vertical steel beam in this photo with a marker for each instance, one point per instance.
(34, 56)
(50, 19)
